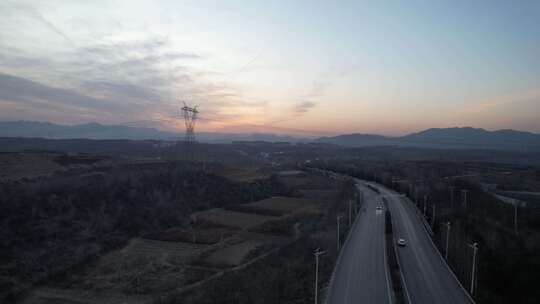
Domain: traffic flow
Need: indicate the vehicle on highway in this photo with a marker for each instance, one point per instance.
(401, 242)
(379, 208)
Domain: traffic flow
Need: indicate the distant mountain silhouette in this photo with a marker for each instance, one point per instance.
(466, 138)
(99, 131)
(90, 131)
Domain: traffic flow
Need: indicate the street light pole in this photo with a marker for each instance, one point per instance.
(452, 196)
(425, 204)
(473, 270)
(464, 193)
(338, 218)
(317, 253)
(433, 217)
(515, 215)
(350, 213)
(447, 240)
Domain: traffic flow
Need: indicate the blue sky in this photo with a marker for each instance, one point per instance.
(302, 67)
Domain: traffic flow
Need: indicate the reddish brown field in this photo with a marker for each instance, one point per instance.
(286, 205)
(195, 235)
(232, 219)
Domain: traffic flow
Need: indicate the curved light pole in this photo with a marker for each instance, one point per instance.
(473, 270)
(447, 240)
(317, 253)
(338, 219)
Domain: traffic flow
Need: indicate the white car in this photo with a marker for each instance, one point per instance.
(401, 242)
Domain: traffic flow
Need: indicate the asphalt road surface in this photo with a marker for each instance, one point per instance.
(361, 274)
(427, 278)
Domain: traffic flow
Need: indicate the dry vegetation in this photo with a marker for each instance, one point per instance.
(233, 254)
(247, 174)
(83, 232)
(286, 205)
(225, 218)
(14, 166)
(135, 233)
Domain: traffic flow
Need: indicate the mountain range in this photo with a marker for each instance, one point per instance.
(99, 131)
(443, 138)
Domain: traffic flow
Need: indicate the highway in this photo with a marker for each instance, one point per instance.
(361, 274)
(427, 279)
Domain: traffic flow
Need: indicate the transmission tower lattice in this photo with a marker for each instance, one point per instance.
(190, 117)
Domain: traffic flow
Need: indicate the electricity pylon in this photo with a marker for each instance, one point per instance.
(190, 118)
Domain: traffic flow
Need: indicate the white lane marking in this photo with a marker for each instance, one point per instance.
(341, 254)
(416, 212)
(386, 270)
(355, 263)
(351, 269)
(396, 252)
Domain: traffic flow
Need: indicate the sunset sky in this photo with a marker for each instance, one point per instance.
(298, 67)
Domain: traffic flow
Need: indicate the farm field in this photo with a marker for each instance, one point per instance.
(51, 295)
(147, 267)
(219, 217)
(248, 174)
(318, 194)
(194, 235)
(286, 204)
(14, 166)
(139, 272)
(201, 248)
(306, 182)
(232, 255)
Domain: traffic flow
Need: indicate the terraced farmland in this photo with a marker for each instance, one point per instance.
(226, 218)
(161, 249)
(232, 255)
(49, 295)
(286, 204)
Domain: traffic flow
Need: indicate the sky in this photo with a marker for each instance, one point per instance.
(284, 67)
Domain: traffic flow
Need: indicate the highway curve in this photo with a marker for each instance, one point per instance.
(361, 274)
(427, 279)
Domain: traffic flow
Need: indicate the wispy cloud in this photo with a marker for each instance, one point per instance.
(31, 94)
(317, 90)
(303, 107)
(146, 78)
(50, 26)
(27, 11)
(138, 78)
